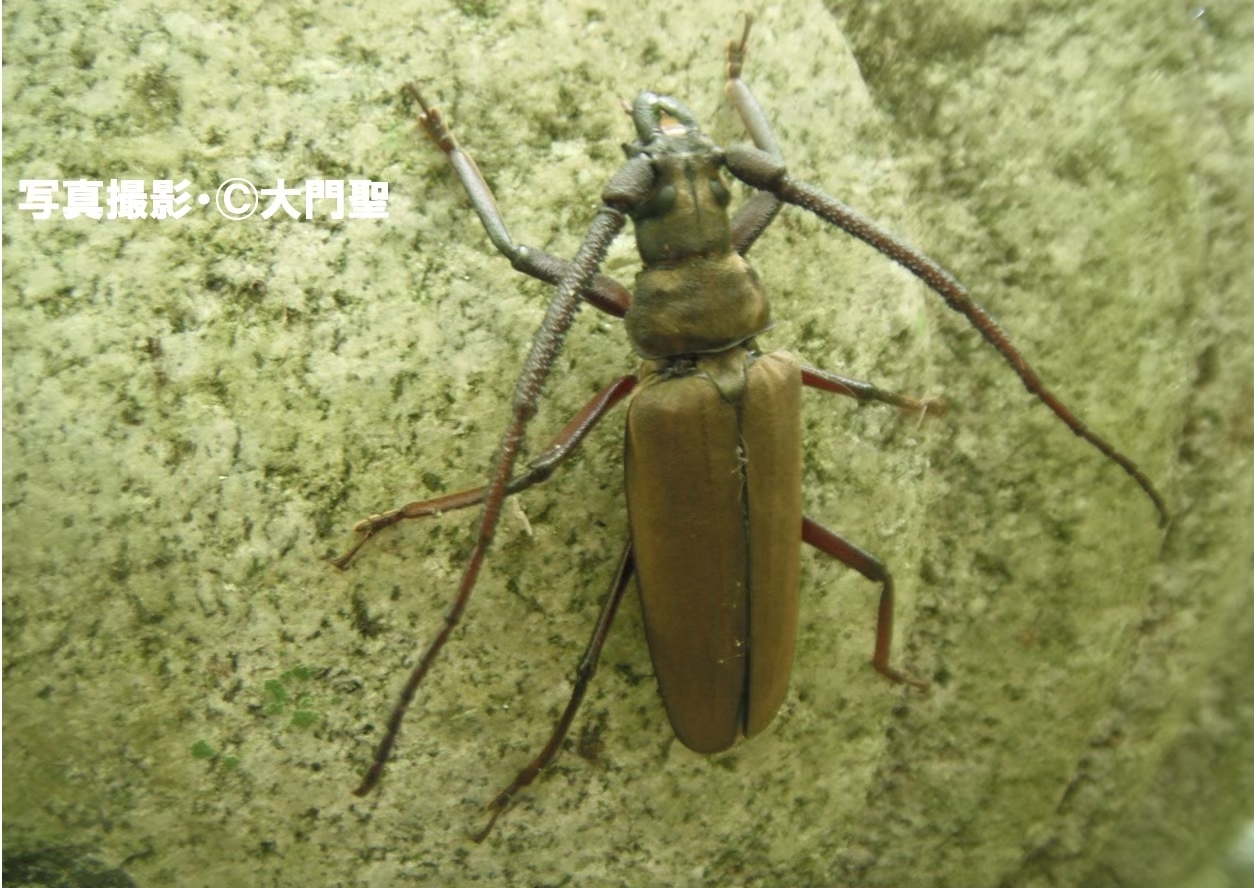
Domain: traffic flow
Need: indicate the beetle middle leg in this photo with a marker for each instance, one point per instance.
(865, 392)
(538, 470)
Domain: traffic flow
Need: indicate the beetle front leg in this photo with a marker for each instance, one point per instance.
(538, 470)
(583, 675)
(604, 293)
(874, 570)
(760, 210)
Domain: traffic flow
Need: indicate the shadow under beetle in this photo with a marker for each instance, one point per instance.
(713, 441)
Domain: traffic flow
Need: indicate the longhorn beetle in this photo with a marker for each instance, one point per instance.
(713, 443)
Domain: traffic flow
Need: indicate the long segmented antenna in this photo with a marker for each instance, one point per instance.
(574, 285)
(544, 349)
(760, 170)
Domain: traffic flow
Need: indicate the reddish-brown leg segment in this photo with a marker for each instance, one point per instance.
(492, 496)
(538, 470)
(838, 547)
(583, 675)
(874, 570)
(865, 392)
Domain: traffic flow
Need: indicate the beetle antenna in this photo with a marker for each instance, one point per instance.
(544, 350)
(758, 169)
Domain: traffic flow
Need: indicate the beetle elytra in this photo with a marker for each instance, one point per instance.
(713, 440)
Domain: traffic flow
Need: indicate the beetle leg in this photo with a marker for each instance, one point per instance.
(760, 210)
(873, 569)
(864, 392)
(609, 220)
(605, 293)
(742, 97)
(583, 675)
(761, 170)
(538, 470)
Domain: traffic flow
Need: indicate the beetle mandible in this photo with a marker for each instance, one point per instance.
(713, 440)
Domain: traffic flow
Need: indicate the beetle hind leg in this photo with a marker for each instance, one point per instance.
(583, 675)
(873, 569)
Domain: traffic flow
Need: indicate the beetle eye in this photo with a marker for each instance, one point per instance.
(720, 192)
(660, 203)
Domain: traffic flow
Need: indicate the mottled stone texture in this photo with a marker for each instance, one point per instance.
(196, 411)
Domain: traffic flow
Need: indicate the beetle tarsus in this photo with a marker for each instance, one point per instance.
(493, 813)
(898, 677)
(736, 49)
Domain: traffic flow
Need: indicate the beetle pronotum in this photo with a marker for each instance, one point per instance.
(713, 443)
